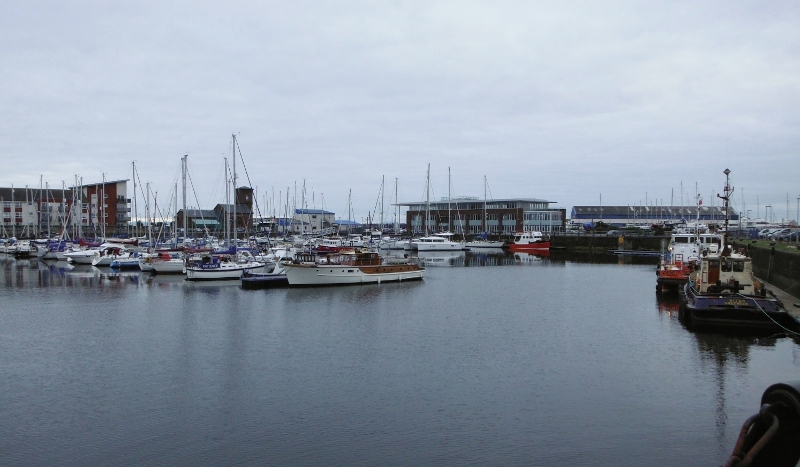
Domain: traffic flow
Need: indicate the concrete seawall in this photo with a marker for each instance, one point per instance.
(603, 243)
(780, 268)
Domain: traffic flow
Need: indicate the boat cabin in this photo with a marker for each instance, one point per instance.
(528, 237)
(731, 274)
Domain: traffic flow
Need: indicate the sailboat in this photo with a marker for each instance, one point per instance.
(482, 240)
(437, 242)
(234, 262)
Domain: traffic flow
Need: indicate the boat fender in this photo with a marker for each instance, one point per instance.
(771, 436)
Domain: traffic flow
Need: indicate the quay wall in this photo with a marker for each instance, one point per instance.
(780, 268)
(603, 243)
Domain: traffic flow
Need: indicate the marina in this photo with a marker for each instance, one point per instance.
(493, 358)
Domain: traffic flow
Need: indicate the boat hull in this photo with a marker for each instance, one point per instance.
(449, 246)
(173, 266)
(219, 273)
(529, 246)
(301, 275)
(264, 281)
(734, 311)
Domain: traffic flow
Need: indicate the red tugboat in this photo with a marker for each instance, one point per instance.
(527, 241)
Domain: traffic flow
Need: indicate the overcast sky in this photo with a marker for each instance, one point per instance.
(564, 101)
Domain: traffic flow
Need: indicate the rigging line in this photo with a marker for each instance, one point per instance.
(146, 203)
(191, 183)
(249, 182)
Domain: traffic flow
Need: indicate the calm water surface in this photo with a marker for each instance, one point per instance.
(491, 360)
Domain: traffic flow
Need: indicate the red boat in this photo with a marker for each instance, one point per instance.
(527, 241)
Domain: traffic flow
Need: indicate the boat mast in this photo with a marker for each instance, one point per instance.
(149, 223)
(14, 209)
(235, 229)
(103, 207)
(175, 217)
(485, 221)
(185, 226)
(383, 180)
(397, 213)
(428, 199)
(449, 196)
(227, 205)
(135, 207)
(728, 192)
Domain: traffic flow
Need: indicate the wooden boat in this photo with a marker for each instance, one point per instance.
(356, 267)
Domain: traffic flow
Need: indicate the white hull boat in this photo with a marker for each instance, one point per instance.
(348, 269)
(437, 243)
(81, 256)
(221, 267)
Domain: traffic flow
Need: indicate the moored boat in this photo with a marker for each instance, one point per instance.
(678, 262)
(723, 292)
(220, 266)
(438, 242)
(355, 267)
(529, 240)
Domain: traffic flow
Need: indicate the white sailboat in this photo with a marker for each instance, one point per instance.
(228, 265)
(482, 241)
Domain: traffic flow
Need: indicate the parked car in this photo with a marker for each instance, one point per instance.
(790, 236)
(614, 233)
(775, 235)
(766, 234)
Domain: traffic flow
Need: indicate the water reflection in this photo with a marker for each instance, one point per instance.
(441, 258)
(37, 273)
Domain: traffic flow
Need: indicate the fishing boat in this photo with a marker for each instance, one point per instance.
(723, 292)
(529, 240)
(355, 267)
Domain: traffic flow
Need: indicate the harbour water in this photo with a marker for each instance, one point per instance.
(491, 360)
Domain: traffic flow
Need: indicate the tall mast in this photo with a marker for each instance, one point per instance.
(175, 217)
(185, 215)
(427, 199)
(227, 205)
(449, 184)
(383, 180)
(397, 214)
(149, 224)
(485, 220)
(235, 229)
(103, 206)
(14, 210)
(135, 207)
